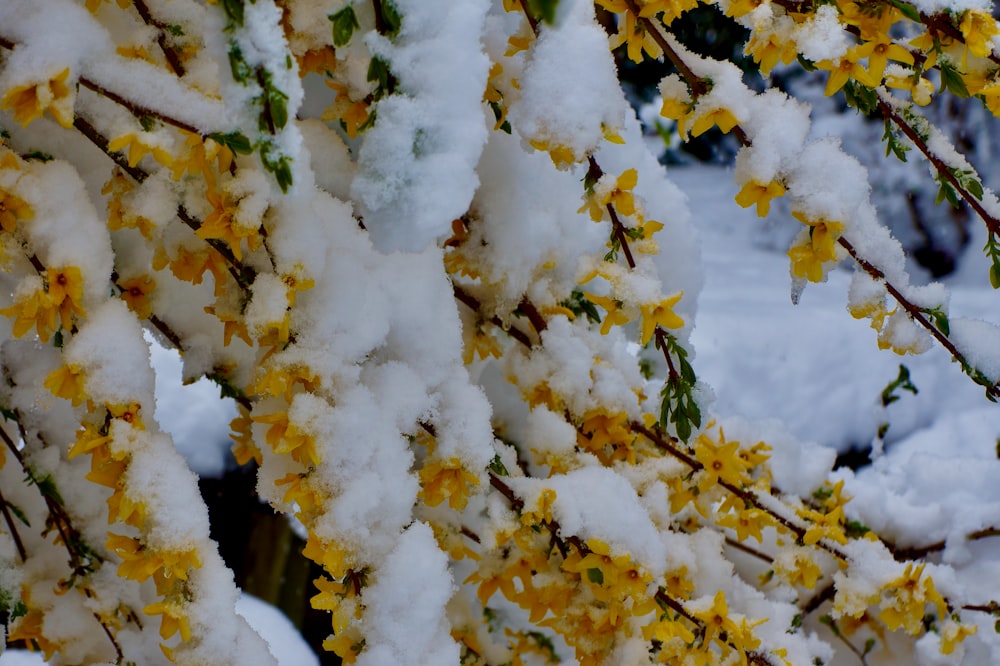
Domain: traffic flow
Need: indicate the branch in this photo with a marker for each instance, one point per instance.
(169, 52)
(912, 310)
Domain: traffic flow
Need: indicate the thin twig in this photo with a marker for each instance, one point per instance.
(169, 52)
(13, 528)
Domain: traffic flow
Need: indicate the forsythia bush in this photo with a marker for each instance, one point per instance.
(421, 245)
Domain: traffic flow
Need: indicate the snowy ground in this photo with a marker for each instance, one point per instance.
(812, 366)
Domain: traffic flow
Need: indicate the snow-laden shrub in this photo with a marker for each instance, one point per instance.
(421, 244)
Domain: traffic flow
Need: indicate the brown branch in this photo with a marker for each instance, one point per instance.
(473, 303)
(562, 544)
(739, 545)
(747, 496)
(136, 109)
(915, 313)
(13, 528)
(817, 600)
(169, 52)
(99, 140)
(535, 318)
(992, 223)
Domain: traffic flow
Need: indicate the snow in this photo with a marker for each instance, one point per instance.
(283, 639)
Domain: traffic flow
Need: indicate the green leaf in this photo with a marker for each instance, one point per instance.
(951, 79)
(378, 71)
(855, 529)
(234, 10)
(892, 143)
(17, 511)
(579, 305)
(38, 155)
(20, 609)
(940, 319)
(946, 191)
(235, 141)
(238, 65)
(543, 9)
(807, 64)
(344, 24)
(995, 275)
(279, 110)
(390, 17)
(175, 30)
(861, 97)
(908, 10)
(596, 576)
(902, 381)
(497, 467)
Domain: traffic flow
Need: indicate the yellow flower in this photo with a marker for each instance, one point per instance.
(172, 619)
(823, 526)
(747, 523)
(190, 266)
(12, 209)
(720, 461)
(330, 556)
(105, 470)
(953, 633)
(281, 380)
(28, 628)
(318, 61)
(33, 310)
(632, 32)
(716, 619)
(708, 119)
(738, 8)
(441, 480)
(285, 437)
(197, 157)
(978, 28)
(67, 382)
(135, 293)
(614, 317)
(904, 600)
(352, 114)
(128, 413)
(761, 194)
(65, 291)
(222, 224)
(30, 101)
(243, 447)
(137, 149)
(543, 509)
(346, 645)
(878, 51)
(484, 344)
(232, 324)
(561, 156)
(844, 69)
(768, 51)
(88, 438)
(619, 196)
(815, 248)
(297, 281)
(600, 430)
(138, 562)
(659, 315)
(797, 567)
